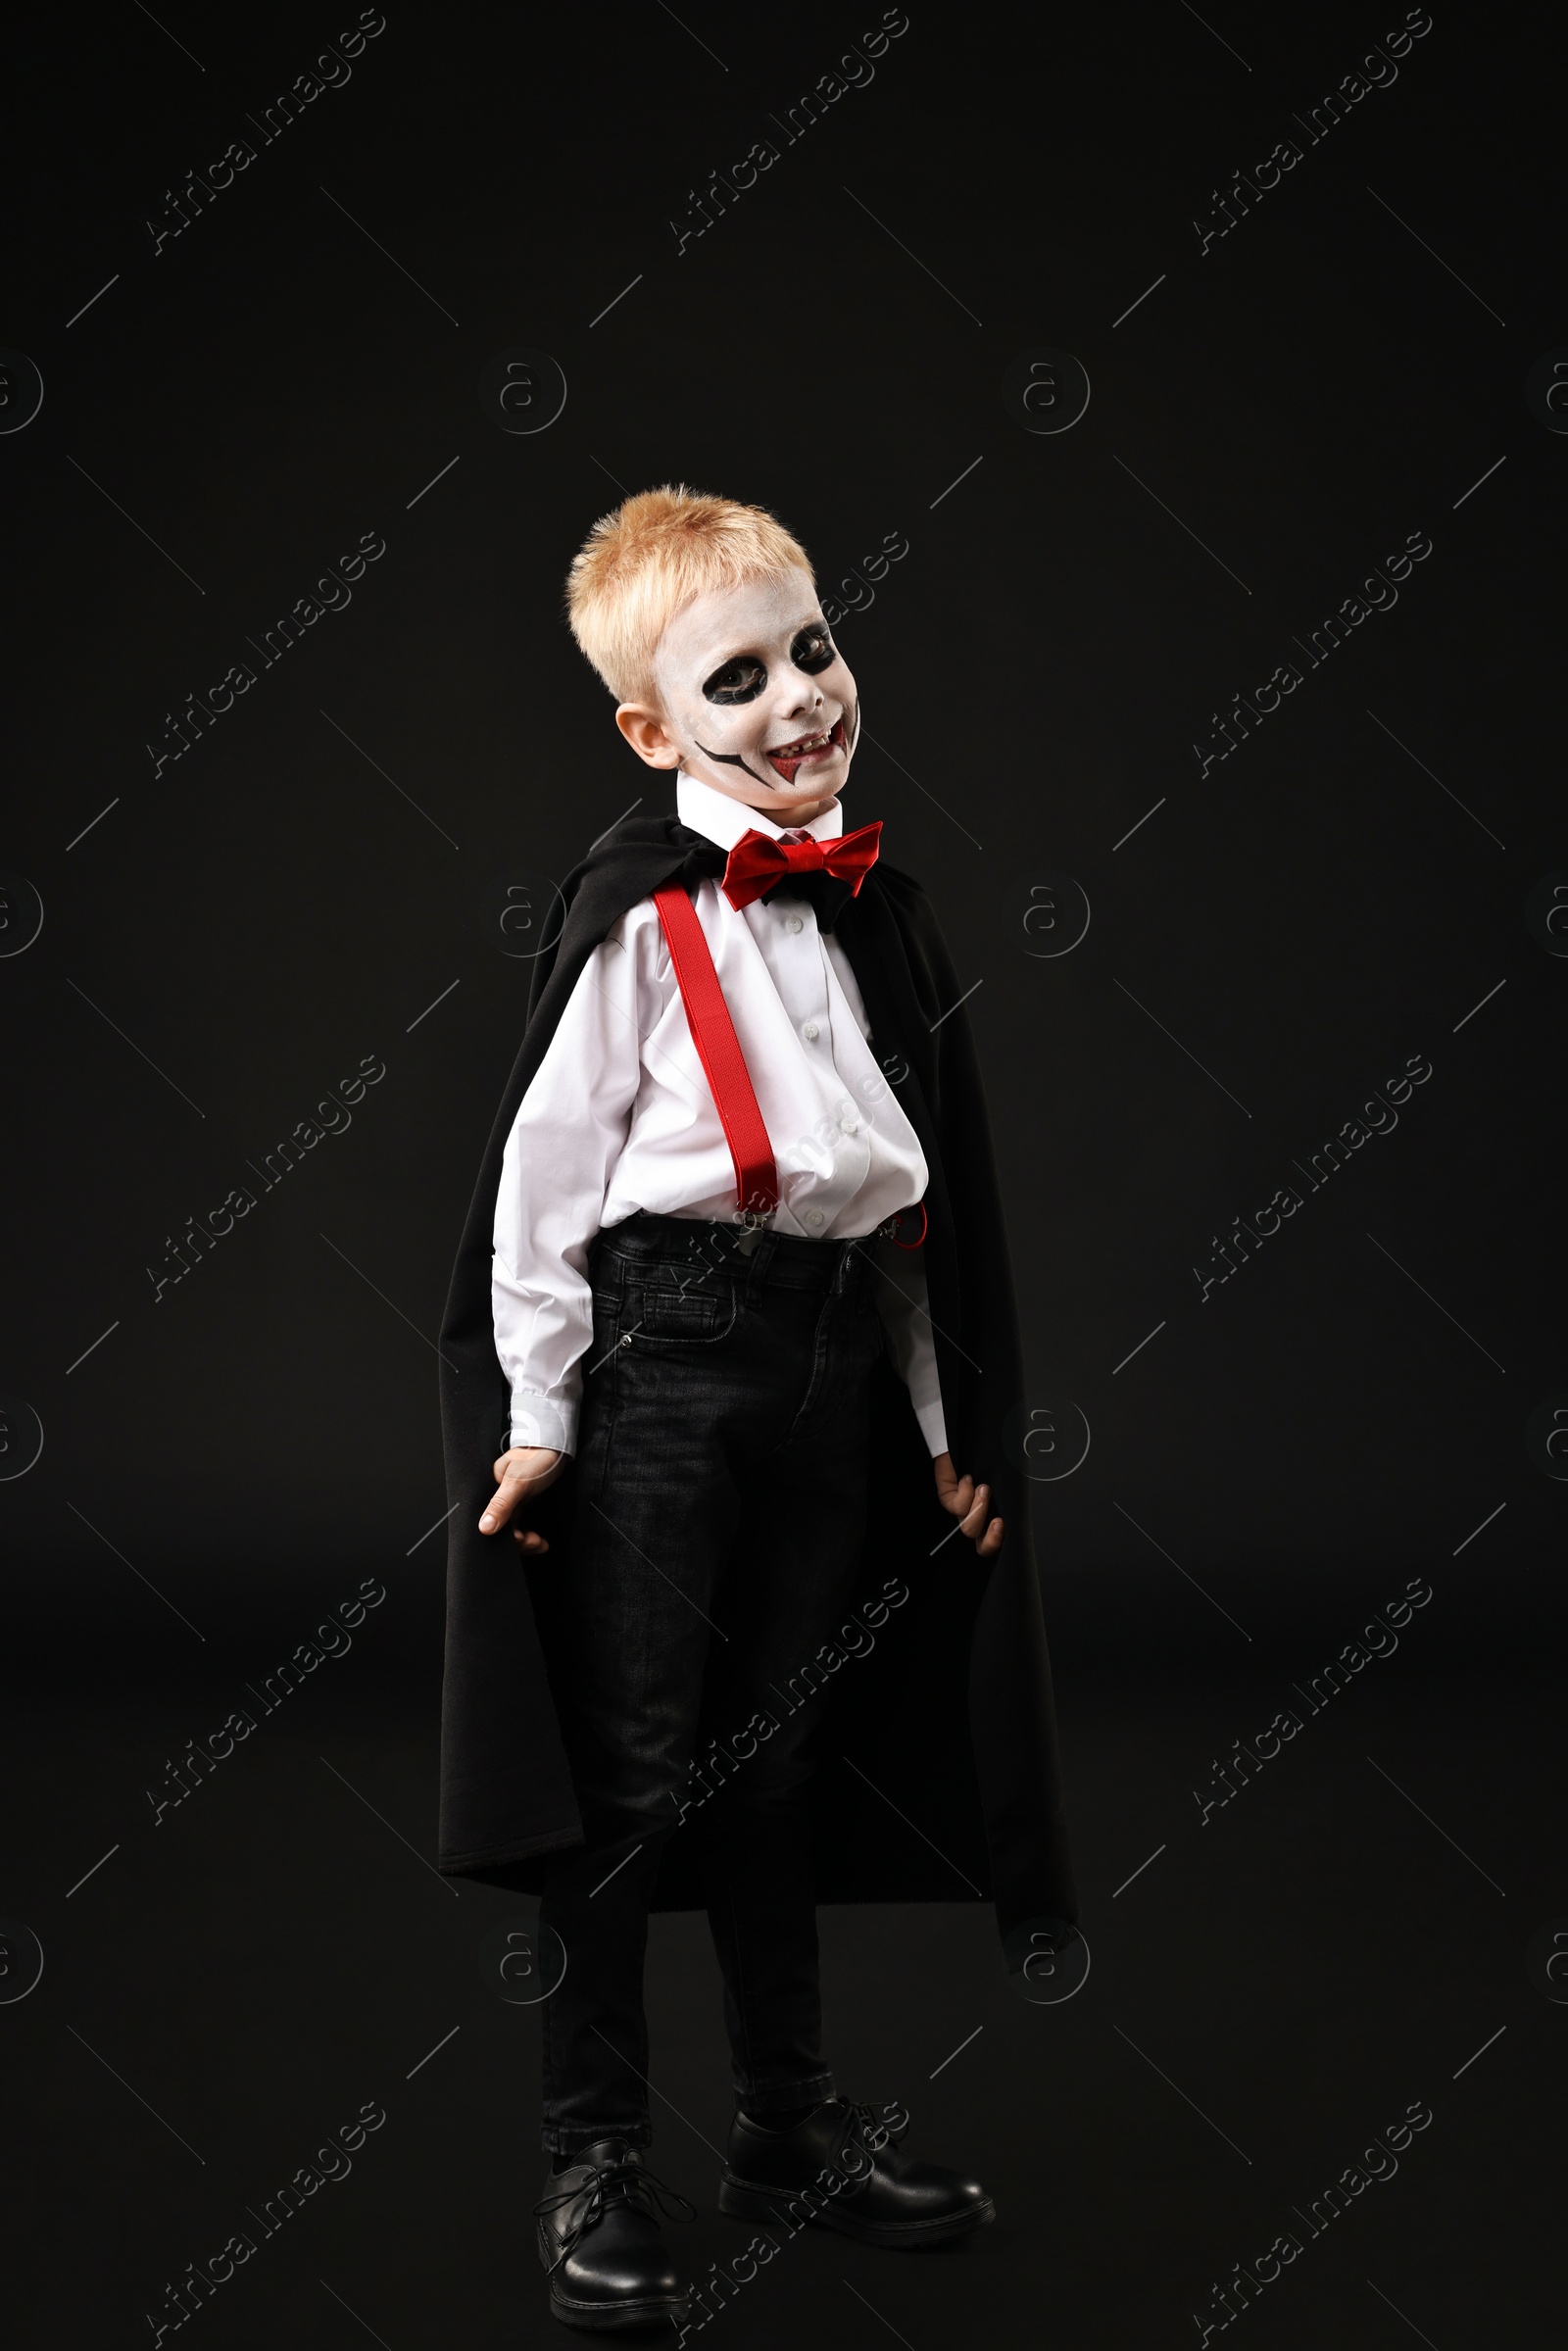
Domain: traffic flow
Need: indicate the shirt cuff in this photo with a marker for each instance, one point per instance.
(933, 1427)
(544, 1420)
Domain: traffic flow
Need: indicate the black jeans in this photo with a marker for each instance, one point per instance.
(723, 1469)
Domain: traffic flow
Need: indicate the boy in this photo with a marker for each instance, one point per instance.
(734, 1266)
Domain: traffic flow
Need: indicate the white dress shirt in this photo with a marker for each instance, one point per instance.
(620, 1117)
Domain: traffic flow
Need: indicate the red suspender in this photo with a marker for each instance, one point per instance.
(719, 1051)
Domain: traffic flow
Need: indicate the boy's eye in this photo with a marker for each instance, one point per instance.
(740, 680)
(813, 650)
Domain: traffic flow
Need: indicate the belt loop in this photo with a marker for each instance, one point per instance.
(741, 1250)
(758, 1259)
(848, 1251)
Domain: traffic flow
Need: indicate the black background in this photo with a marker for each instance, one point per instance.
(315, 881)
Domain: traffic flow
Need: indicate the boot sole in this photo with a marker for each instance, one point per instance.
(746, 2200)
(616, 2317)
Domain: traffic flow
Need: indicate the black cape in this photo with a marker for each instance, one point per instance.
(940, 1779)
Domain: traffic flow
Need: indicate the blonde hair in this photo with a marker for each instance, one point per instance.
(642, 564)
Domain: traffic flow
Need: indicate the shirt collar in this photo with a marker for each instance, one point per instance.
(723, 820)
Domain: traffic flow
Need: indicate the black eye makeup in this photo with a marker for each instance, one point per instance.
(813, 650)
(739, 680)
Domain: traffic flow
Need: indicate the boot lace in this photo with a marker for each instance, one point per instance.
(610, 2184)
(878, 2126)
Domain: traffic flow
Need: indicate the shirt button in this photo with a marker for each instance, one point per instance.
(851, 1126)
(810, 1032)
(792, 922)
(814, 1216)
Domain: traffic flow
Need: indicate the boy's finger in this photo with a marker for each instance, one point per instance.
(975, 1518)
(528, 1539)
(515, 1487)
(497, 1512)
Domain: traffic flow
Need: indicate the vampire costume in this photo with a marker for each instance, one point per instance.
(937, 1774)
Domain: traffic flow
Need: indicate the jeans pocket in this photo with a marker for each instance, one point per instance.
(670, 1305)
(679, 1313)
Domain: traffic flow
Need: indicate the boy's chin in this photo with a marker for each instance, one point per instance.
(822, 781)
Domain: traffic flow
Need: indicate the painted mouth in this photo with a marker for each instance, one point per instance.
(807, 751)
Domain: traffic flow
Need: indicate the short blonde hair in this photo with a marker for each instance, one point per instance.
(642, 564)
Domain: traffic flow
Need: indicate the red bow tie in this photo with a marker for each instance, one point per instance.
(759, 860)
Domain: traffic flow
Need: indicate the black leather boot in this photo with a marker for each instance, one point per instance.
(843, 2167)
(600, 2239)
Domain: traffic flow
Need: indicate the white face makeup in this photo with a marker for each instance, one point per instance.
(756, 699)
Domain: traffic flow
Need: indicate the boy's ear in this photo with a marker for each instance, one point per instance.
(645, 730)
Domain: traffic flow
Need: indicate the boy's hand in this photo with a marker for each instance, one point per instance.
(969, 1504)
(521, 1474)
